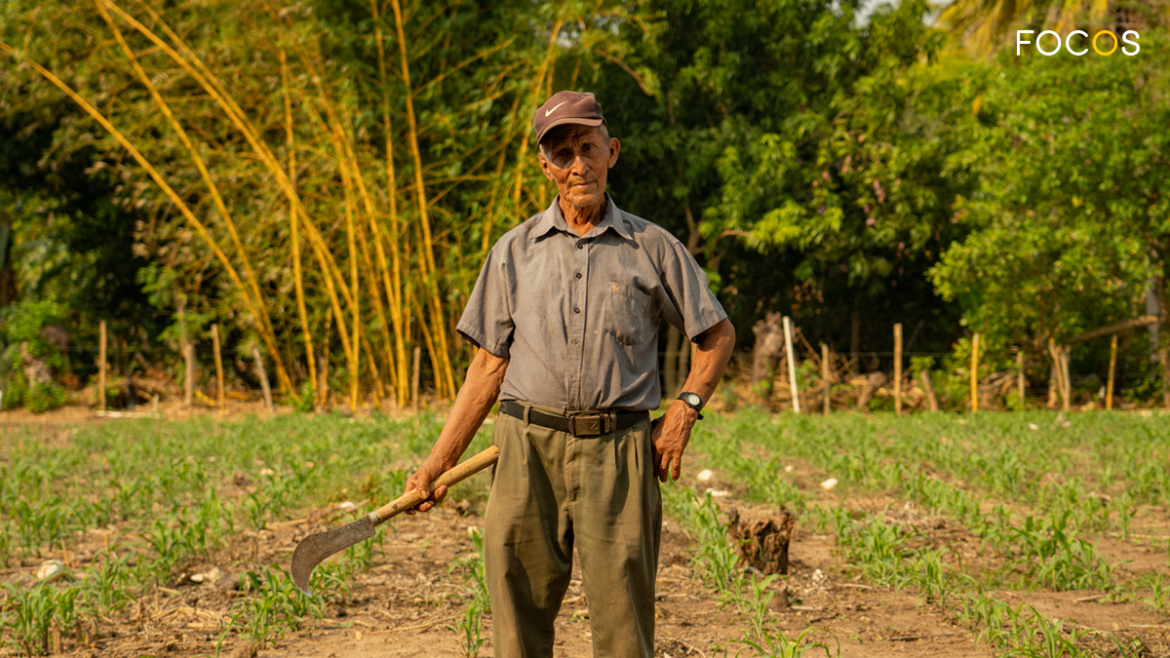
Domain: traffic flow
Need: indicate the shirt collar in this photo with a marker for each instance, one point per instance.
(553, 218)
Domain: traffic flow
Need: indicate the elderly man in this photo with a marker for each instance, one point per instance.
(566, 314)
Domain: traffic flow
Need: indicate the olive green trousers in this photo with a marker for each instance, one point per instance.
(550, 492)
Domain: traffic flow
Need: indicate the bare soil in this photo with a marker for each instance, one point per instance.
(409, 601)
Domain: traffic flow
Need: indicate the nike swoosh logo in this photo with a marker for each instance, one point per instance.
(549, 111)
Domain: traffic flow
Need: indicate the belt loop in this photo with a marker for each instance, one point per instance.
(527, 412)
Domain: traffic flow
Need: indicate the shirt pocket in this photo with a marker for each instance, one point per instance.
(627, 315)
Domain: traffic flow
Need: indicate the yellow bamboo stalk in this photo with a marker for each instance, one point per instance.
(257, 308)
(298, 277)
(392, 281)
(353, 357)
(347, 159)
(445, 379)
(190, 62)
(154, 174)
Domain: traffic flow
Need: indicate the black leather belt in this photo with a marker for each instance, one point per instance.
(583, 424)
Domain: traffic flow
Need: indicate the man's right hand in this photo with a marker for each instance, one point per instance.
(421, 480)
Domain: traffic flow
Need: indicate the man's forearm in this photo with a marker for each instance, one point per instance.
(472, 404)
(714, 352)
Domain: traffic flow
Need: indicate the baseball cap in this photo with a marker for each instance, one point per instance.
(567, 107)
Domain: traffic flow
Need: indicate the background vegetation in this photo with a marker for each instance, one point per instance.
(321, 180)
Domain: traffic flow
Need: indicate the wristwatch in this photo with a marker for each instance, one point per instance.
(693, 401)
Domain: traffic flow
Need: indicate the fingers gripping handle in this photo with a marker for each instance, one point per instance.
(458, 474)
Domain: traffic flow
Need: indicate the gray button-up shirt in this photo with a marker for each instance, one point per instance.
(578, 316)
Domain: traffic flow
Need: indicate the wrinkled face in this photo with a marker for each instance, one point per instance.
(577, 158)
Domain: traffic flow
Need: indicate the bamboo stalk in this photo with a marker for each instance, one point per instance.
(294, 238)
(190, 62)
(258, 308)
(392, 281)
(154, 174)
(898, 368)
(444, 375)
(975, 373)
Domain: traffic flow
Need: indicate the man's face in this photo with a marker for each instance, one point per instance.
(577, 158)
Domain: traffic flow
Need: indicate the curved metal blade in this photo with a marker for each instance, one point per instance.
(316, 547)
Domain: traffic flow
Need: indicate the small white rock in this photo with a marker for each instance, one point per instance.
(829, 484)
(705, 475)
(788, 468)
(1033, 426)
(718, 493)
(51, 570)
(346, 504)
(267, 471)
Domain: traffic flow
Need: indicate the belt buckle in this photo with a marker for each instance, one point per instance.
(585, 425)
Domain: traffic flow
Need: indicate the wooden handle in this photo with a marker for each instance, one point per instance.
(458, 474)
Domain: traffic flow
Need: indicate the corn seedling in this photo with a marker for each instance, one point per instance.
(470, 625)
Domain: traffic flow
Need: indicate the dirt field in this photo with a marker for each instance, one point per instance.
(410, 599)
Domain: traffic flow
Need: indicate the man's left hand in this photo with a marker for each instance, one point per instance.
(669, 435)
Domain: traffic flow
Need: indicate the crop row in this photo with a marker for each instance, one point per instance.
(932, 461)
(170, 493)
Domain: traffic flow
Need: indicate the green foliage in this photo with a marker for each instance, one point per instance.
(32, 613)
(1067, 228)
(45, 396)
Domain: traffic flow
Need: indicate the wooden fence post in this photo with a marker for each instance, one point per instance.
(1021, 378)
(825, 378)
(898, 368)
(791, 364)
(263, 377)
(1165, 354)
(414, 401)
(219, 393)
(1060, 370)
(188, 347)
(102, 367)
(975, 373)
(1112, 368)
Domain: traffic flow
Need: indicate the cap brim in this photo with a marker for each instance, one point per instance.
(562, 121)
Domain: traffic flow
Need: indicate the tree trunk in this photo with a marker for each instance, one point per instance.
(769, 334)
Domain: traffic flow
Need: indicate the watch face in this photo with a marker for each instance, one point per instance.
(693, 399)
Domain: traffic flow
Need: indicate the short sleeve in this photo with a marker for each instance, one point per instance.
(689, 305)
(487, 318)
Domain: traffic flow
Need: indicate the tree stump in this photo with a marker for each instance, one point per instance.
(762, 539)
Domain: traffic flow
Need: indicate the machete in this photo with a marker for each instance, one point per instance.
(318, 546)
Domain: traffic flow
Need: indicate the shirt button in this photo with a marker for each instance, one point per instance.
(578, 275)
(576, 309)
(575, 341)
(580, 245)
